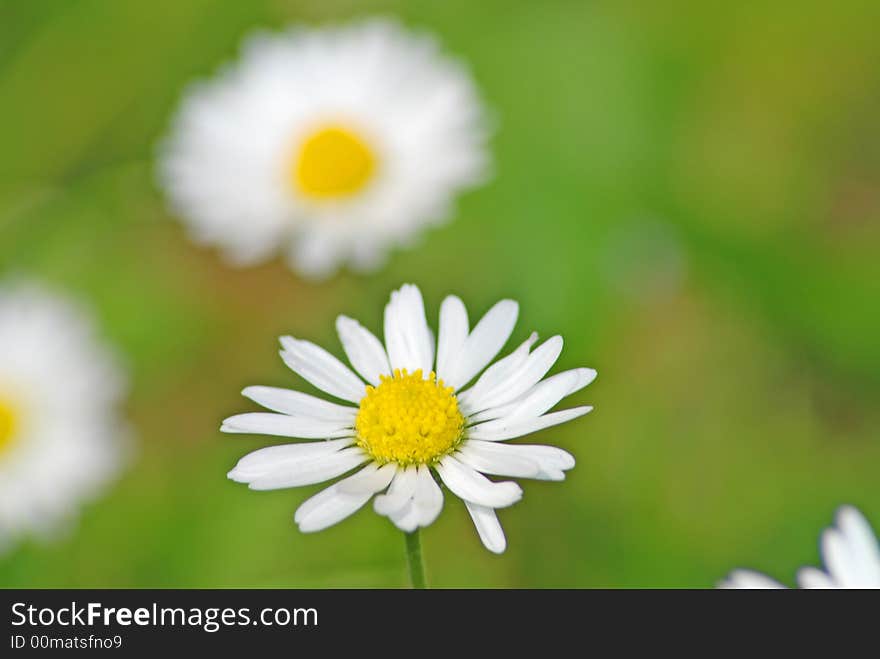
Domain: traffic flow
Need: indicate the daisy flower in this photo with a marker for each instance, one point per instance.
(327, 145)
(61, 439)
(413, 416)
(850, 553)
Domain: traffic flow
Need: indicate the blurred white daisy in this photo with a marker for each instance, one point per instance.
(409, 423)
(850, 553)
(61, 439)
(328, 145)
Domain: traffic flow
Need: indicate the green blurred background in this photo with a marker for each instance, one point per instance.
(687, 193)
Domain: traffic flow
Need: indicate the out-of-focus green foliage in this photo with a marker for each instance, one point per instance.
(688, 193)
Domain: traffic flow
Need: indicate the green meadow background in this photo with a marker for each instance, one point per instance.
(689, 194)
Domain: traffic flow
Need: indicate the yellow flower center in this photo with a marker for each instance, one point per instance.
(409, 420)
(332, 163)
(8, 424)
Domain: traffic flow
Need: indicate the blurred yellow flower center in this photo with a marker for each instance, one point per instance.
(8, 424)
(408, 419)
(332, 163)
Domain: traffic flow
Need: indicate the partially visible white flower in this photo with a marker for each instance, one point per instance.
(850, 553)
(61, 437)
(750, 580)
(408, 423)
(328, 145)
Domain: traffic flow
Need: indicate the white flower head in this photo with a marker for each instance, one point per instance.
(408, 423)
(329, 145)
(61, 438)
(850, 553)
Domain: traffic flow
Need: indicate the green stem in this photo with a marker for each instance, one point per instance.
(414, 559)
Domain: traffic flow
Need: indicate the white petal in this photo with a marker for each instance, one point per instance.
(327, 508)
(540, 398)
(334, 504)
(371, 478)
(517, 460)
(519, 381)
(274, 458)
(264, 473)
(297, 403)
(862, 544)
(747, 579)
(283, 425)
(476, 488)
(498, 372)
(453, 333)
(399, 493)
(322, 369)
(811, 578)
(407, 337)
(428, 498)
(486, 462)
(500, 429)
(483, 343)
(413, 500)
(839, 560)
(488, 527)
(363, 349)
(407, 518)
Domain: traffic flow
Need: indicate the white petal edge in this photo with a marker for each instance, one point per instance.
(749, 580)
(363, 349)
(452, 334)
(273, 458)
(372, 478)
(333, 504)
(838, 559)
(407, 518)
(541, 397)
(296, 403)
(483, 343)
(408, 339)
(284, 425)
(413, 500)
(399, 493)
(520, 380)
(472, 486)
(306, 470)
(498, 372)
(814, 579)
(488, 527)
(863, 547)
(516, 460)
(501, 429)
(427, 498)
(322, 369)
